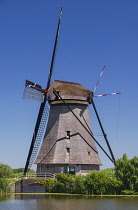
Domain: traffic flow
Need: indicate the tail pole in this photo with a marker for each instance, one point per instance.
(99, 79)
(107, 94)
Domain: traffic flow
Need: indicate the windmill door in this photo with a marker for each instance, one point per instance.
(71, 169)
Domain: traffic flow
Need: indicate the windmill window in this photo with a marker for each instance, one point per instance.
(61, 170)
(56, 96)
(68, 151)
(90, 155)
(68, 135)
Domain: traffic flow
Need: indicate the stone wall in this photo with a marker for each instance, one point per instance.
(29, 186)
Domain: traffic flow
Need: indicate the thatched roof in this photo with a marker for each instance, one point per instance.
(69, 90)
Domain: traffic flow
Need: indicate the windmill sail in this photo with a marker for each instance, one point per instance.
(43, 112)
(33, 91)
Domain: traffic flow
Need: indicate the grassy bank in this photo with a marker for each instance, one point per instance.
(68, 194)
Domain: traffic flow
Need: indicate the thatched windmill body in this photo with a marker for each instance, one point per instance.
(67, 146)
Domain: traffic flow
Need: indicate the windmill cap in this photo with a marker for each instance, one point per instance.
(68, 91)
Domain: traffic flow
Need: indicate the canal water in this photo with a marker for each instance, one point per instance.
(58, 202)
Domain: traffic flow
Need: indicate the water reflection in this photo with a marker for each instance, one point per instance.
(4, 197)
(58, 202)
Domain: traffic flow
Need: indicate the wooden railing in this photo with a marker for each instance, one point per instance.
(36, 176)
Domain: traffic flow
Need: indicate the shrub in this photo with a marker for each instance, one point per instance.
(4, 185)
(78, 185)
(53, 185)
(65, 178)
(128, 192)
(5, 171)
(96, 182)
(126, 170)
(114, 186)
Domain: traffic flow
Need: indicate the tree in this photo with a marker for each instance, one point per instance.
(4, 185)
(114, 186)
(109, 172)
(21, 171)
(100, 182)
(96, 182)
(78, 185)
(126, 170)
(18, 170)
(5, 171)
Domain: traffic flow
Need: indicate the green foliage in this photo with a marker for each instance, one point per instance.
(72, 184)
(98, 183)
(53, 185)
(4, 185)
(114, 186)
(126, 170)
(65, 183)
(5, 171)
(31, 171)
(18, 170)
(128, 192)
(79, 185)
(110, 172)
(65, 178)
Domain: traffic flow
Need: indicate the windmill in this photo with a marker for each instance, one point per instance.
(68, 144)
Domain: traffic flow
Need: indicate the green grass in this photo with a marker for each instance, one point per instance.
(64, 194)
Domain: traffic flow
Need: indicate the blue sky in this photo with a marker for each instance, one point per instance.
(93, 33)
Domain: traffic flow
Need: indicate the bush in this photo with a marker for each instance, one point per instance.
(18, 170)
(5, 171)
(65, 178)
(128, 192)
(114, 186)
(98, 182)
(78, 185)
(126, 170)
(4, 185)
(59, 187)
(53, 185)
